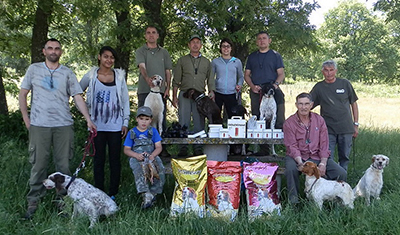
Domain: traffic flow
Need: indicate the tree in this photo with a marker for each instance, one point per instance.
(40, 28)
(392, 9)
(360, 43)
(286, 21)
(123, 33)
(3, 99)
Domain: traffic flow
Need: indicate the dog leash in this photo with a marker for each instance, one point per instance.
(89, 150)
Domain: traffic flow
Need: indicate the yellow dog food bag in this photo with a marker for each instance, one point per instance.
(190, 182)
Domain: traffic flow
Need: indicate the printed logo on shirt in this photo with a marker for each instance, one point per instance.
(340, 91)
(103, 96)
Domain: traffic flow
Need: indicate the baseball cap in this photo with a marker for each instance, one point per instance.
(144, 110)
(195, 36)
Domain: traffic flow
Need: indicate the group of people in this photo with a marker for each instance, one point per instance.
(107, 111)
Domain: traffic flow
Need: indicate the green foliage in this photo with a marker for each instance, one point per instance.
(13, 126)
(361, 55)
(333, 219)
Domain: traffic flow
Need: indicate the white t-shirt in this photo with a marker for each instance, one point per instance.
(106, 111)
(51, 91)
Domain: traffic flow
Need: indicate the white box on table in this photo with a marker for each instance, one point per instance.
(258, 134)
(237, 127)
(214, 130)
(250, 133)
(224, 133)
(267, 134)
(261, 124)
(277, 134)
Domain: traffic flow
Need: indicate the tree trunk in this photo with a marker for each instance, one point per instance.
(40, 29)
(3, 99)
(241, 49)
(241, 52)
(124, 35)
(152, 11)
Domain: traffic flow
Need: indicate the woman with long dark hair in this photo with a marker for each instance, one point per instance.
(108, 103)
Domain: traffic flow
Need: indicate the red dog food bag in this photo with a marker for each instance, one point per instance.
(223, 189)
(261, 189)
(190, 182)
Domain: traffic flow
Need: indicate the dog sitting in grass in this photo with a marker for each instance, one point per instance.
(370, 184)
(319, 189)
(88, 199)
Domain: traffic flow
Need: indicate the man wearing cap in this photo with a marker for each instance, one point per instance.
(192, 71)
(143, 145)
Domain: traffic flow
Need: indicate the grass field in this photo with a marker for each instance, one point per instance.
(379, 134)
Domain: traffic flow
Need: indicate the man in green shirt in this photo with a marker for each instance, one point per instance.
(192, 71)
(152, 59)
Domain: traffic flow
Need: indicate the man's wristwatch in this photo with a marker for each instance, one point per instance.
(277, 83)
(356, 124)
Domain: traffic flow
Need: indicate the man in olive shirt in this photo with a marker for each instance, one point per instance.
(192, 71)
(151, 60)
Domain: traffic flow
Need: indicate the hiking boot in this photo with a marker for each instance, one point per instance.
(32, 207)
(148, 200)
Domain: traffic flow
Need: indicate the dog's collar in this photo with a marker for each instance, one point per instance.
(200, 97)
(155, 92)
(376, 168)
(315, 181)
(70, 182)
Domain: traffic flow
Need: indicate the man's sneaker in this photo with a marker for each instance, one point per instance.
(148, 200)
(32, 207)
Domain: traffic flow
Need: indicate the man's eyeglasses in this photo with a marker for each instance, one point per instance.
(225, 46)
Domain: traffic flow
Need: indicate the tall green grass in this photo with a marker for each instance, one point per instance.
(380, 218)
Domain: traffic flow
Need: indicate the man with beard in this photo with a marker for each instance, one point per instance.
(50, 123)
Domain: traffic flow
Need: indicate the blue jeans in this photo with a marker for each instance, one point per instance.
(344, 143)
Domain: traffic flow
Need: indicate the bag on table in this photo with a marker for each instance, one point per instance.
(190, 182)
(223, 189)
(261, 189)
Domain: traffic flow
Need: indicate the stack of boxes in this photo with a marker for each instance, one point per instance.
(237, 129)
